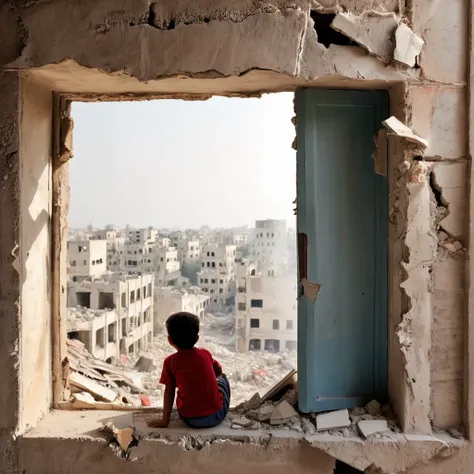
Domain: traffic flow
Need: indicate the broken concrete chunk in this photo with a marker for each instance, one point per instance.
(370, 427)
(253, 403)
(124, 437)
(265, 413)
(401, 130)
(242, 422)
(374, 408)
(96, 389)
(371, 31)
(408, 45)
(333, 420)
(282, 413)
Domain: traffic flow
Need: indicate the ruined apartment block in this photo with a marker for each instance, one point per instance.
(217, 275)
(86, 258)
(111, 314)
(266, 310)
(384, 140)
(269, 246)
(171, 300)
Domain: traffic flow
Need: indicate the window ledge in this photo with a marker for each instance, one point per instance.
(391, 453)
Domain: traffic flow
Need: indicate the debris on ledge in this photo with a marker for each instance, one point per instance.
(277, 409)
(95, 384)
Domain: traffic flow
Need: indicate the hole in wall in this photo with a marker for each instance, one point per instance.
(436, 192)
(343, 468)
(326, 34)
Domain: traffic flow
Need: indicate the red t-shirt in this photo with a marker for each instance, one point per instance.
(192, 372)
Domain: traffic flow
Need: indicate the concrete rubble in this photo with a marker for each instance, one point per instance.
(280, 411)
(372, 31)
(95, 384)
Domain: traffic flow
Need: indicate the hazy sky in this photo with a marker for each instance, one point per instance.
(170, 163)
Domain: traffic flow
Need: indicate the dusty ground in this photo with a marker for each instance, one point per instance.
(247, 372)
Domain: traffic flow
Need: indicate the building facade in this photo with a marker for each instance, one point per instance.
(112, 314)
(269, 246)
(217, 275)
(169, 300)
(266, 318)
(86, 258)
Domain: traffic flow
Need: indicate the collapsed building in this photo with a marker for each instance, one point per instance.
(111, 313)
(354, 66)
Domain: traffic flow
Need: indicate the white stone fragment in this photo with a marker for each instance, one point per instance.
(408, 45)
(398, 128)
(242, 421)
(369, 427)
(333, 420)
(371, 31)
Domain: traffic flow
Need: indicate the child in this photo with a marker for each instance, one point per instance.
(203, 390)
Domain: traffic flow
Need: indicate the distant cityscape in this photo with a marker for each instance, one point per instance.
(124, 283)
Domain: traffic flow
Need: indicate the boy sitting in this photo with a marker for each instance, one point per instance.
(203, 390)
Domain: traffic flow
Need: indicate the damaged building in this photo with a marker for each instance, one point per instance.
(383, 139)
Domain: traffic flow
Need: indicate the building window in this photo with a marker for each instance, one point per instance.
(272, 345)
(256, 303)
(132, 297)
(276, 324)
(138, 294)
(73, 263)
(291, 345)
(289, 324)
(123, 300)
(221, 290)
(213, 264)
(202, 280)
(242, 306)
(255, 344)
(213, 281)
(255, 323)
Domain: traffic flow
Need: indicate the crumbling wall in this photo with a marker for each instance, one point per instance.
(439, 114)
(34, 260)
(9, 279)
(130, 49)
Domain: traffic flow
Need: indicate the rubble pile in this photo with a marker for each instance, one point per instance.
(95, 384)
(278, 409)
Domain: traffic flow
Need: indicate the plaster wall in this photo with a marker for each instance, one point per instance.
(122, 49)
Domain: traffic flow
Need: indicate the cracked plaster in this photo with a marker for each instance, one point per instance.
(93, 51)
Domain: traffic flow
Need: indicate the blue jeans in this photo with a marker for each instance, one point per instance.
(217, 418)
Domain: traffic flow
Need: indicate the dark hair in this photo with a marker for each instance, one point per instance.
(183, 329)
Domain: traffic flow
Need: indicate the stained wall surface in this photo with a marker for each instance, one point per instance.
(131, 49)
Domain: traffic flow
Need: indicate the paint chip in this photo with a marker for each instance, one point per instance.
(408, 45)
(401, 130)
(311, 290)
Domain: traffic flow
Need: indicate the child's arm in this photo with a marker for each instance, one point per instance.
(217, 368)
(168, 401)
